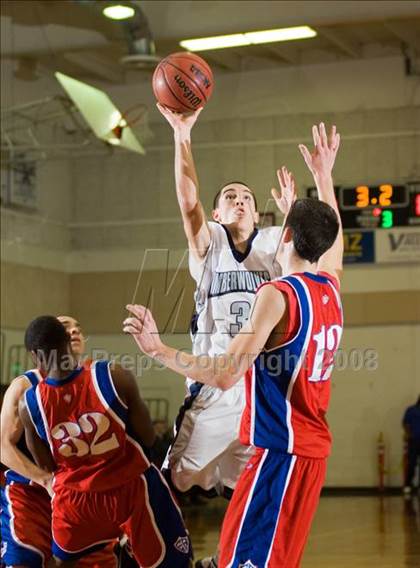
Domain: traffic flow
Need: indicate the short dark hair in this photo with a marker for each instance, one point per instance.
(219, 193)
(314, 225)
(45, 334)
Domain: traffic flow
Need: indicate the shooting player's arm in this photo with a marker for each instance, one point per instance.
(187, 187)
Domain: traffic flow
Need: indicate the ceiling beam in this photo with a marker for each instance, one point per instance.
(96, 65)
(336, 37)
(403, 33)
(281, 54)
(114, 47)
(220, 58)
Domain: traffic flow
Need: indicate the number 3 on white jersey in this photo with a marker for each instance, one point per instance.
(72, 445)
(327, 342)
(241, 311)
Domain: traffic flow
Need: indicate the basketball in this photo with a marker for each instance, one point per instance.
(183, 82)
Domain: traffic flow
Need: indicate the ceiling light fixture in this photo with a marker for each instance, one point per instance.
(248, 38)
(118, 12)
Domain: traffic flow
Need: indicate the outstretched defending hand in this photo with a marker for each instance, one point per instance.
(321, 160)
(287, 195)
(143, 328)
(180, 122)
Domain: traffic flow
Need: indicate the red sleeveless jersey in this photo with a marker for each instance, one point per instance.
(84, 422)
(288, 387)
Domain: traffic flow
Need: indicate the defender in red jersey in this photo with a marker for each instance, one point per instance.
(93, 424)
(288, 347)
(25, 502)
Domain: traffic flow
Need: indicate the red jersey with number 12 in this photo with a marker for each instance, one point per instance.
(84, 422)
(288, 387)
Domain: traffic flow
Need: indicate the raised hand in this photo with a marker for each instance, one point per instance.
(143, 328)
(321, 160)
(286, 196)
(180, 122)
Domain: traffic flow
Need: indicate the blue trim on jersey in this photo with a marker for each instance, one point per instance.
(237, 254)
(32, 377)
(35, 413)
(60, 382)
(106, 386)
(260, 522)
(13, 553)
(14, 477)
(316, 277)
(64, 555)
(274, 370)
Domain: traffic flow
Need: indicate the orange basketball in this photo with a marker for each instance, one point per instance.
(183, 82)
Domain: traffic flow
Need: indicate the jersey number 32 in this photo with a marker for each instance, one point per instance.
(86, 436)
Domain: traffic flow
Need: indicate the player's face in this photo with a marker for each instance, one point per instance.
(236, 205)
(74, 329)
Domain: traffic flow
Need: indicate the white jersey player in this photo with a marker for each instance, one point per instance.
(229, 258)
(227, 280)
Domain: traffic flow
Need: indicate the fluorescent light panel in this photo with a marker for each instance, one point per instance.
(118, 12)
(248, 38)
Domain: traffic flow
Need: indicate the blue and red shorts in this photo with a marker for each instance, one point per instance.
(269, 517)
(26, 527)
(25, 524)
(142, 508)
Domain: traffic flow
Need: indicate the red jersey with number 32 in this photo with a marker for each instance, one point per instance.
(84, 422)
(288, 387)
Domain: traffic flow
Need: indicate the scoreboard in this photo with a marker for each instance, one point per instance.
(381, 222)
(377, 206)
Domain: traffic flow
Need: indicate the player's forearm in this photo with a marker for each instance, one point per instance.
(185, 173)
(325, 187)
(14, 459)
(219, 371)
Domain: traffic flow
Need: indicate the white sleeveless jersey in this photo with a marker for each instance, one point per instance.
(226, 284)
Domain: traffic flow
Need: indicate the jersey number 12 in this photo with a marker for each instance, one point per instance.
(327, 342)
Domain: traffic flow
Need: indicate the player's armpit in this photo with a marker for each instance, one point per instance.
(141, 427)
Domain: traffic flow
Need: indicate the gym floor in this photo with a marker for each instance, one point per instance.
(348, 532)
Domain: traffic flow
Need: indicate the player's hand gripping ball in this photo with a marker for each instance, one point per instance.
(183, 82)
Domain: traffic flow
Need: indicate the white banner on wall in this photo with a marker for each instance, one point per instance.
(398, 245)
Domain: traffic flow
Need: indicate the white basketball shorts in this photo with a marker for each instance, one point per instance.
(206, 451)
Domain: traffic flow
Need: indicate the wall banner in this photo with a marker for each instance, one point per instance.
(398, 245)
